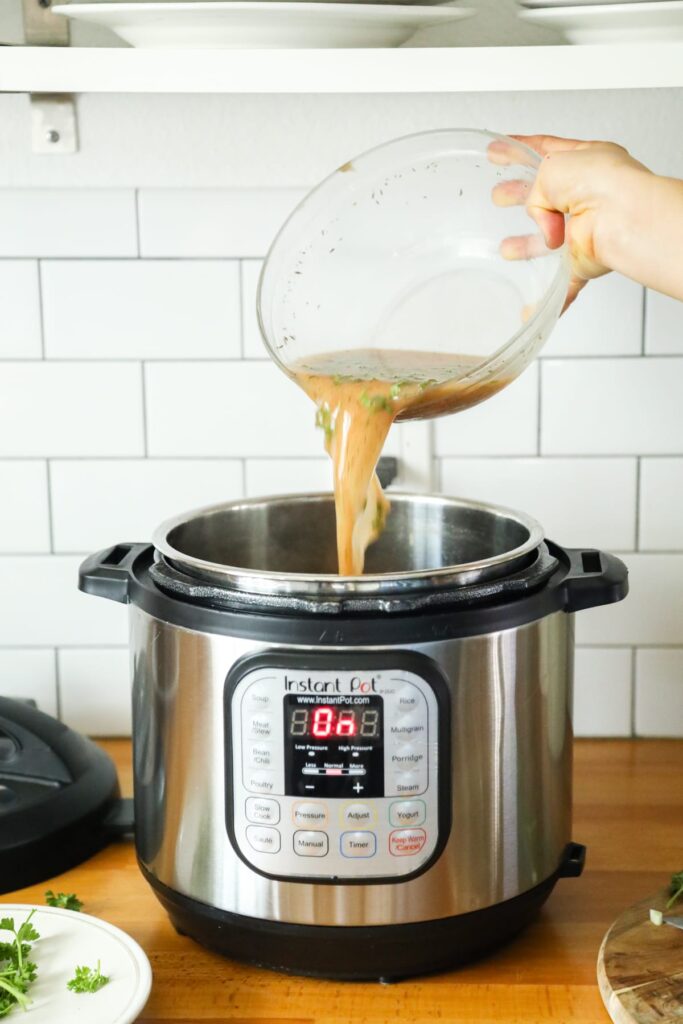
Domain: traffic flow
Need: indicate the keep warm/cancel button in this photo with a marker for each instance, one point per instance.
(406, 842)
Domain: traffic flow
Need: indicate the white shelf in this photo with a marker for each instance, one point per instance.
(409, 70)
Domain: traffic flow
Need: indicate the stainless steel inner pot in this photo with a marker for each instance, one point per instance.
(287, 545)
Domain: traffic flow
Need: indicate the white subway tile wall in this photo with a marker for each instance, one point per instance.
(134, 385)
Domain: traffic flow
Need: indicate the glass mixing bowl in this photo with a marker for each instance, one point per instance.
(400, 248)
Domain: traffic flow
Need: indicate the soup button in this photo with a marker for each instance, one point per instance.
(406, 842)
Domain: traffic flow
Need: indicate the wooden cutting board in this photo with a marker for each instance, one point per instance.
(640, 966)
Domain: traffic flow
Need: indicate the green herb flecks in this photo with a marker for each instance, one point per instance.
(675, 889)
(88, 979)
(323, 420)
(67, 900)
(380, 519)
(375, 403)
(424, 384)
(17, 972)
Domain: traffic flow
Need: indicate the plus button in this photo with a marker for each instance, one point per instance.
(358, 788)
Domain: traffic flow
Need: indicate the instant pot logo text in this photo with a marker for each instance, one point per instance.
(309, 685)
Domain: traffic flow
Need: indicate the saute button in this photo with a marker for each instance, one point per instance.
(310, 815)
(311, 844)
(260, 727)
(262, 811)
(406, 842)
(260, 755)
(264, 840)
(407, 812)
(260, 782)
(358, 814)
(358, 844)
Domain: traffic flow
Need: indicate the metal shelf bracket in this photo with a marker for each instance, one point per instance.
(54, 128)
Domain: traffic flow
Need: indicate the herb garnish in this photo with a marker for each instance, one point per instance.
(375, 403)
(17, 972)
(67, 900)
(87, 979)
(675, 889)
(323, 419)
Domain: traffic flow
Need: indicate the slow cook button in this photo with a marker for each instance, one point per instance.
(262, 811)
(311, 844)
(260, 727)
(406, 842)
(358, 844)
(358, 814)
(263, 840)
(260, 755)
(407, 812)
(309, 815)
(260, 781)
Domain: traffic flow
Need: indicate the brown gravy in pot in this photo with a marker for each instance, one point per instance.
(358, 395)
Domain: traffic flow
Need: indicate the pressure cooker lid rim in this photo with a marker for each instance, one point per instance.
(262, 581)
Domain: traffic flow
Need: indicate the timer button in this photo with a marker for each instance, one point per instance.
(262, 811)
(260, 782)
(407, 812)
(311, 844)
(263, 840)
(260, 727)
(357, 815)
(406, 842)
(260, 755)
(358, 844)
(309, 815)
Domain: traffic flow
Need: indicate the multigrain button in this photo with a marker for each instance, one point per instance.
(407, 812)
(260, 727)
(406, 842)
(409, 728)
(309, 815)
(262, 811)
(358, 844)
(311, 844)
(260, 755)
(260, 782)
(358, 814)
(262, 839)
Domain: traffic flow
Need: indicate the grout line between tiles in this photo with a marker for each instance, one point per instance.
(633, 691)
(539, 410)
(244, 477)
(643, 323)
(240, 285)
(145, 442)
(636, 539)
(50, 507)
(41, 315)
(58, 683)
(137, 221)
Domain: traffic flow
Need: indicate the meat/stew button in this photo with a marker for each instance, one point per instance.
(405, 842)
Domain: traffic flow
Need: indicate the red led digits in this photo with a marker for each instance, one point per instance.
(327, 722)
(346, 724)
(323, 719)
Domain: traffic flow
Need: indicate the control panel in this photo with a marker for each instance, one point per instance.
(334, 774)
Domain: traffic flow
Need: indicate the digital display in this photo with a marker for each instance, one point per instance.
(325, 722)
(333, 745)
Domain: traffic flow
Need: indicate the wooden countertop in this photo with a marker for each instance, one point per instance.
(628, 811)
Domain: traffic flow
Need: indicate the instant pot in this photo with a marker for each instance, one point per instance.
(353, 777)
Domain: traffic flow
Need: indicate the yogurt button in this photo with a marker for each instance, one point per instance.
(358, 844)
(262, 839)
(407, 842)
(261, 810)
(407, 812)
(311, 844)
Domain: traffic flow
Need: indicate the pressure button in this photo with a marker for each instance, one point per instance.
(309, 815)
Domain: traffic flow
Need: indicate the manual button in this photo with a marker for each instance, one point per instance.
(358, 844)
(407, 841)
(262, 839)
(311, 844)
(309, 814)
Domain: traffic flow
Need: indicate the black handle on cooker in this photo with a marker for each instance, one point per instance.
(107, 573)
(594, 578)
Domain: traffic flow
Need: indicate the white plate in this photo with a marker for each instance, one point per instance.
(221, 24)
(67, 940)
(659, 21)
(547, 4)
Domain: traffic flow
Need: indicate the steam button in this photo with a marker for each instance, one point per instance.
(262, 839)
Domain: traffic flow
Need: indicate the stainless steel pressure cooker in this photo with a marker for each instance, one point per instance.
(353, 777)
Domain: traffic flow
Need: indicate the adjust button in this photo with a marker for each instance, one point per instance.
(358, 815)
(407, 812)
(358, 844)
(309, 815)
(311, 844)
(407, 842)
(262, 811)
(262, 839)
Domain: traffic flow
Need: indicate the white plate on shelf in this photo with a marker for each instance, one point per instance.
(224, 24)
(67, 940)
(655, 21)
